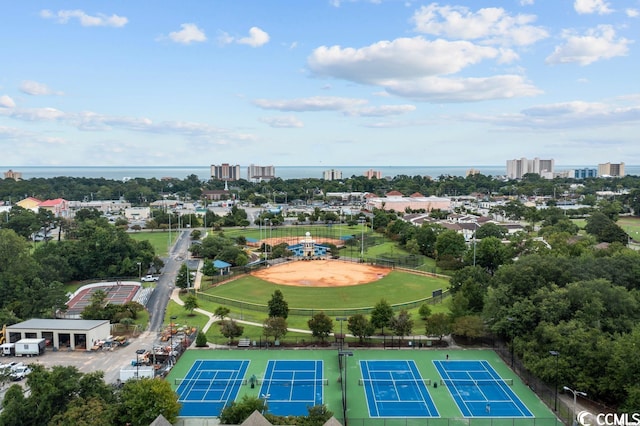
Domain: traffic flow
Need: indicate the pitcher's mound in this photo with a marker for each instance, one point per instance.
(321, 273)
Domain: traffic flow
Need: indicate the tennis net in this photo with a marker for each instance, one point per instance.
(307, 382)
(392, 382)
(479, 382)
(210, 383)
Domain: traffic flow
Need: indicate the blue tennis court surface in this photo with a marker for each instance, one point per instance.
(479, 391)
(290, 387)
(396, 389)
(209, 386)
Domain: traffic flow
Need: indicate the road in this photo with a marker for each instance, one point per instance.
(110, 362)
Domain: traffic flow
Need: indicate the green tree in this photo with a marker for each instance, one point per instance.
(191, 304)
(424, 311)
(320, 325)
(141, 401)
(381, 314)
(183, 280)
(470, 326)
(201, 339)
(491, 230)
(278, 307)
(438, 324)
(231, 329)
(360, 326)
(221, 312)
(402, 324)
(275, 327)
(238, 411)
(450, 246)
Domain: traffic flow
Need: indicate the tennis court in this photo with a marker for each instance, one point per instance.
(209, 386)
(297, 379)
(290, 387)
(396, 389)
(479, 391)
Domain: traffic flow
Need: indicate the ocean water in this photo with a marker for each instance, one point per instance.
(283, 172)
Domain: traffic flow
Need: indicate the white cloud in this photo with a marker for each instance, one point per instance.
(565, 115)
(188, 34)
(402, 58)
(381, 111)
(600, 7)
(99, 20)
(37, 89)
(7, 102)
(283, 122)
(256, 38)
(597, 44)
(317, 103)
(526, 2)
(489, 25)
(435, 89)
(632, 13)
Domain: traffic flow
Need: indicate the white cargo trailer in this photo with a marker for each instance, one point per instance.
(30, 347)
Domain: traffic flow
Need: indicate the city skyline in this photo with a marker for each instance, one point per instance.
(324, 83)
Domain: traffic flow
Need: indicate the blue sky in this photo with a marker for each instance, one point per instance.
(319, 82)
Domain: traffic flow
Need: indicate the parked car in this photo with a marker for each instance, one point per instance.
(19, 372)
(149, 278)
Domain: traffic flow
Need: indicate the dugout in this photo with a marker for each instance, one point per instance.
(61, 333)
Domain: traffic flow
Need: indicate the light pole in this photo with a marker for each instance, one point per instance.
(341, 319)
(266, 397)
(575, 396)
(138, 353)
(172, 318)
(139, 270)
(475, 229)
(344, 354)
(361, 220)
(555, 403)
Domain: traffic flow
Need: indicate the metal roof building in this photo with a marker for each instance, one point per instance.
(61, 333)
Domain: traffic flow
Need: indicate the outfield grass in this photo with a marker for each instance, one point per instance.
(158, 239)
(396, 287)
(631, 226)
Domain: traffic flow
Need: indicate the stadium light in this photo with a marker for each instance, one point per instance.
(575, 396)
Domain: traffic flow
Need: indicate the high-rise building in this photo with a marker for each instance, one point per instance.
(332, 174)
(518, 168)
(370, 174)
(584, 173)
(10, 174)
(259, 173)
(611, 169)
(225, 172)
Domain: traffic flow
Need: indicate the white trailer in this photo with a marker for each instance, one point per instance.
(136, 372)
(8, 349)
(30, 347)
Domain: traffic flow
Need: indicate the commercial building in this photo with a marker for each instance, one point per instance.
(225, 172)
(394, 200)
(516, 169)
(332, 174)
(61, 333)
(611, 170)
(260, 173)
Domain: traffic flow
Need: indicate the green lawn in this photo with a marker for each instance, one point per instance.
(631, 226)
(396, 287)
(158, 239)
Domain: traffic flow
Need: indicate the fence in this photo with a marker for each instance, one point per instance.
(453, 421)
(310, 312)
